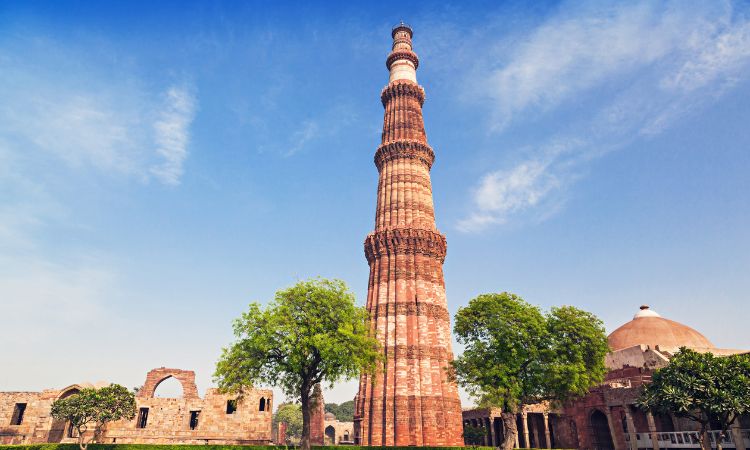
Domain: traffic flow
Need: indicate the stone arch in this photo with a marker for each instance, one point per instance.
(156, 376)
(168, 380)
(262, 404)
(600, 431)
(60, 428)
(330, 435)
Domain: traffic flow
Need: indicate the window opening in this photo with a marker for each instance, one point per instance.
(262, 404)
(194, 419)
(18, 411)
(142, 418)
(231, 406)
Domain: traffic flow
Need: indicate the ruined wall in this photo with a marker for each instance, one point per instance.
(168, 421)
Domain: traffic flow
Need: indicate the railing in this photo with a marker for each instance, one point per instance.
(688, 439)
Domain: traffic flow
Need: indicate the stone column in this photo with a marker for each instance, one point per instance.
(631, 428)
(652, 430)
(490, 432)
(525, 426)
(612, 428)
(739, 442)
(547, 439)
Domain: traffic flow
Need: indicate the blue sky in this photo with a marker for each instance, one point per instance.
(163, 164)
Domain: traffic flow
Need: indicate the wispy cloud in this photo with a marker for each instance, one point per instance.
(69, 120)
(173, 134)
(309, 130)
(57, 103)
(648, 65)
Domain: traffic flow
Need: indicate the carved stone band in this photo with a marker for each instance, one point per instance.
(395, 56)
(404, 149)
(405, 241)
(402, 88)
(434, 311)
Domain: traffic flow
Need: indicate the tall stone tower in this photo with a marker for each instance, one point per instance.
(412, 401)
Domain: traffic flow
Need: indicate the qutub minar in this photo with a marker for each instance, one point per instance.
(412, 401)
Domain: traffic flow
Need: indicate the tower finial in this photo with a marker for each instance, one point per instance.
(402, 62)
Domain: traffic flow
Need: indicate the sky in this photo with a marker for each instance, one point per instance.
(163, 164)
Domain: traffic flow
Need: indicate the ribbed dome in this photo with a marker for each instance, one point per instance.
(648, 327)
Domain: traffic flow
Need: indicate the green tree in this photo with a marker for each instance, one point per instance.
(310, 333)
(516, 355)
(94, 407)
(701, 387)
(292, 415)
(474, 436)
(343, 412)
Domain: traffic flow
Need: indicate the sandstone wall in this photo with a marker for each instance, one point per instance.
(168, 421)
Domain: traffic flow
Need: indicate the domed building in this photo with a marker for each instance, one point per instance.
(606, 418)
(649, 328)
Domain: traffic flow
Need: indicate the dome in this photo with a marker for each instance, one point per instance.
(330, 416)
(649, 328)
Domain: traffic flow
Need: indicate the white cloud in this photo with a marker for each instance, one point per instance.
(309, 130)
(528, 185)
(173, 134)
(648, 64)
(61, 105)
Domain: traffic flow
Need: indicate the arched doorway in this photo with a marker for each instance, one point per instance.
(330, 435)
(60, 428)
(600, 431)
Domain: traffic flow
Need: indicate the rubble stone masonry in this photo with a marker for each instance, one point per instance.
(189, 419)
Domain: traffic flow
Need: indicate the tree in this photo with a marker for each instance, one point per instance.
(474, 435)
(94, 407)
(291, 414)
(701, 387)
(515, 355)
(343, 412)
(310, 333)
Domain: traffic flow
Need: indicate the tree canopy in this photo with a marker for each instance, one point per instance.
(94, 407)
(701, 387)
(343, 412)
(516, 355)
(309, 333)
(291, 414)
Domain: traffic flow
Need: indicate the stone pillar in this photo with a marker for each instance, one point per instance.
(612, 428)
(739, 442)
(631, 428)
(488, 421)
(547, 440)
(652, 430)
(525, 429)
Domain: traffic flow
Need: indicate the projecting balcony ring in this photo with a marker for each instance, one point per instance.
(395, 56)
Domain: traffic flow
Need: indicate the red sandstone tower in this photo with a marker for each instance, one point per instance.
(412, 401)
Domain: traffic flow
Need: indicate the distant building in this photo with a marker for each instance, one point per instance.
(606, 418)
(338, 433)
(214, 419)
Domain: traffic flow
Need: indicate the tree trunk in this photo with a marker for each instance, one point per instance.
(510, 430)
(82, 444)
(705, 444)
(305, 401)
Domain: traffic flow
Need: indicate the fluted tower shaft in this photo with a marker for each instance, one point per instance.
(411, 401)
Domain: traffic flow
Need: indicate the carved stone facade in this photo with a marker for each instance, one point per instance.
(214, 419)
(411, 401)
(606, 418)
